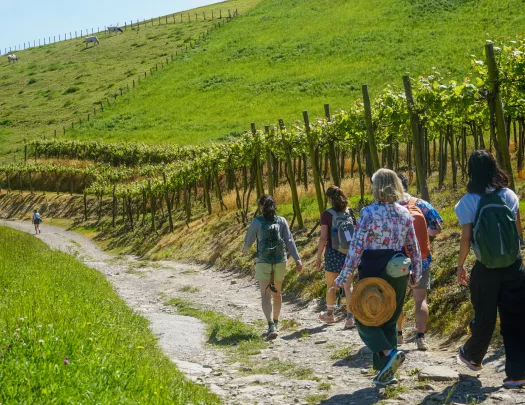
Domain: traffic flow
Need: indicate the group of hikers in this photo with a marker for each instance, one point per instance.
(375, 258)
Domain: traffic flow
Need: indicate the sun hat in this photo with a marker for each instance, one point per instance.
(373, 301)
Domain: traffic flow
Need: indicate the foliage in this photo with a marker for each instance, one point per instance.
(67, 338)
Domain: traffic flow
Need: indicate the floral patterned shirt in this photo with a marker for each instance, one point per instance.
(382, 226)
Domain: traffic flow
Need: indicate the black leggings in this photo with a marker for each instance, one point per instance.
(504, 290)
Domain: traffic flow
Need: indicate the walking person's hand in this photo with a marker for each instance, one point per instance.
(319, 263)
(412, 280)
(462, 276)
(299, 266)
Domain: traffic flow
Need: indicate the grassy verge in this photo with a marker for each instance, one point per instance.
(66, 337)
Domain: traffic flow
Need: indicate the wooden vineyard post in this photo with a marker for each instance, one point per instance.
(258, 178)
(85, 206)
(291, 178)
(495, 100)
(114, 207)
(168, 202)
(370, 129)
(416, 137)
(452, 140)
(269, 163)
(361, 173)
(334, 167)
(207, 198)
(315, 171)
(152, 207)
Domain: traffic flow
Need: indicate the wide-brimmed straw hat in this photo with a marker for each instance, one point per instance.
(373, 301)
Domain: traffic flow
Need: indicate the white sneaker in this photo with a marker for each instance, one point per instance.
(422, 344)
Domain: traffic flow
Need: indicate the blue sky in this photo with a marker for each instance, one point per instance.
(28, 20)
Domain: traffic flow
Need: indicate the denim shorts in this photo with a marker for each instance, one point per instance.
(334, 260)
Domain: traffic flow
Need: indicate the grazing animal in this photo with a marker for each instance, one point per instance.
(114, 29)
(12, 58)
(93, 39)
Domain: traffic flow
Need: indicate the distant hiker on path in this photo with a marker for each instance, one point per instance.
(427, 224)
(274, 239)
(337, 229)
(489, 219)
(377, 251)
(36, 220)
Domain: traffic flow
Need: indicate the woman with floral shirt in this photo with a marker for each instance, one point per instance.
(384, 229)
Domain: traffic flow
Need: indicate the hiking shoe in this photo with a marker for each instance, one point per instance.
(421, 343)
(469, 363)
(400, 338)
(324, 317)
(349, 323)
(388, 374)
(272, 331)
(510, 384)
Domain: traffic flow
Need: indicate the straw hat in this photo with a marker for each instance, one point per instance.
(373, 301)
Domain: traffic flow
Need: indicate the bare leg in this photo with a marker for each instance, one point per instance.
(400, 321)
(349, 287)
(266, 300)
(330, 292)
(420, 297)
(277, 300)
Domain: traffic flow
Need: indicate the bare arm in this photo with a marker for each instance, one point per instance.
(322, 245)
(464, 247)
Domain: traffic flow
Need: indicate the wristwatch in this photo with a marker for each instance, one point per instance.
(459, 267)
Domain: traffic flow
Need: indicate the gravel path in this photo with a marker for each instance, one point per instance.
(306, 363)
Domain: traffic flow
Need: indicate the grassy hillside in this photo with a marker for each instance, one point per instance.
(286, 56)
(68, 338)
(56, 84)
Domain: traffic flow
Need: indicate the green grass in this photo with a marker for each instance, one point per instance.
(189, 289)
(54, 85)
(222, 330)
(66, 337)
(274, 61)
(342, 354)
(282, 57)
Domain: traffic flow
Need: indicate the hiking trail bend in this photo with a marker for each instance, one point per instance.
(310, 363)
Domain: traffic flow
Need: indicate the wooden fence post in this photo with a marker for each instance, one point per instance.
(370, 129)
(334, 167)
(495, 99)
(269, 163)
(291, 175)
(315, 171)
(416, 137)
(168, 202)
(258, 178)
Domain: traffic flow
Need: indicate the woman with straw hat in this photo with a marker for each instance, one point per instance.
(383, 239)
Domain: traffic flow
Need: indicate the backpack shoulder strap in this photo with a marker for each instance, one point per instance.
(412, 202)
(332, 211)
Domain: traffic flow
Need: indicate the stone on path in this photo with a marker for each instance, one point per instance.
(438, 373)
(256, 379)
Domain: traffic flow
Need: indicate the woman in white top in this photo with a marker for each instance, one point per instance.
(493, 286)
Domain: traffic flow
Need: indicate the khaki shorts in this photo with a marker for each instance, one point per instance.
(424, 283)
(264, 270)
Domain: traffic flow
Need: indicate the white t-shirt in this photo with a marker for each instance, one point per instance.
(468, 205)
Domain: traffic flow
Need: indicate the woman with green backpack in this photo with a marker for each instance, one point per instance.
(274, 241)
(337, 229)
(490, 224)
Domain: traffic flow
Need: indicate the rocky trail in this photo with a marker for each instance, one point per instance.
(309, 363)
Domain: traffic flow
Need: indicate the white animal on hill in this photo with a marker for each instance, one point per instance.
(114, 29)
(12, 58)
(93, 39)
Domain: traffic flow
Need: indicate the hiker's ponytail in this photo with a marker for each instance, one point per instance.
(338, 197)
(269, 209)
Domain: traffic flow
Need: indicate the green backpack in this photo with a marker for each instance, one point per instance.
(271, 248)
(497, 242)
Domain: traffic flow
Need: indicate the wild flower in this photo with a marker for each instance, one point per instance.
(41, 341)
(66, 360)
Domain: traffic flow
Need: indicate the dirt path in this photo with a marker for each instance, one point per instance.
(308, 363)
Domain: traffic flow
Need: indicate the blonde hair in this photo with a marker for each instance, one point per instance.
(386, 186)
